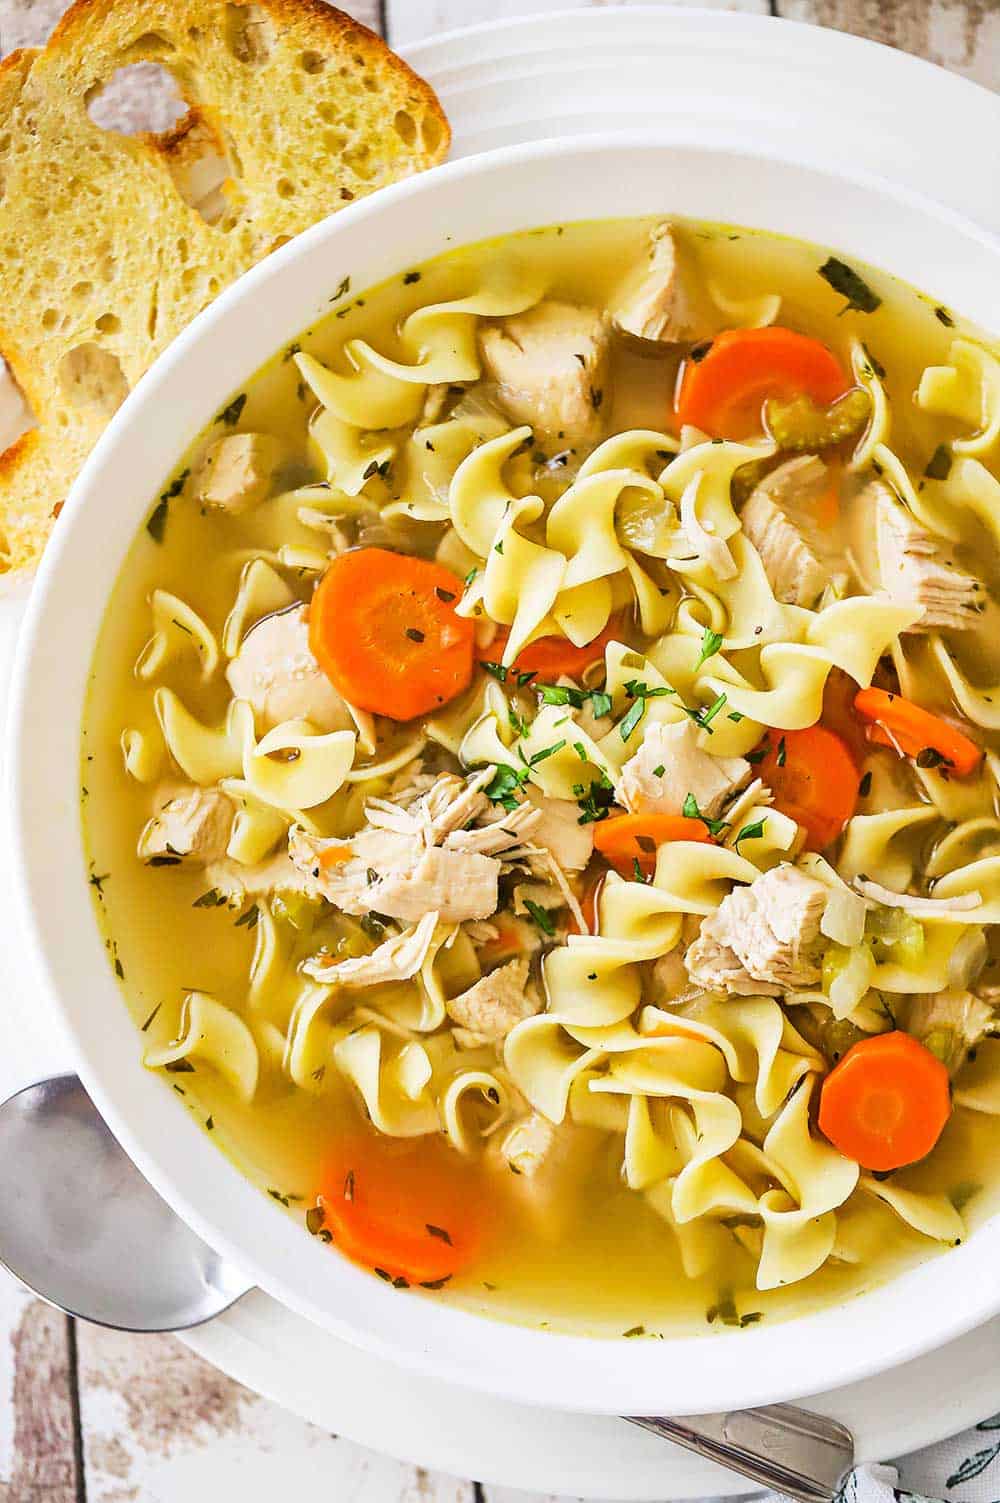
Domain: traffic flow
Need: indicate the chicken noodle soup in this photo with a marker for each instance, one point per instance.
(540, 777)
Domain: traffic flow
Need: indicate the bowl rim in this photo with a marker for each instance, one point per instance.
(606, 1375)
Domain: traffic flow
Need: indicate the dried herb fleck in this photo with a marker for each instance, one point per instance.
(845, 280)
(231, 415)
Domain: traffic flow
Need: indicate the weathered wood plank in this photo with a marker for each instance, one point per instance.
(412, 20)
(37, 1409)
(963, 35)
(160, 1425)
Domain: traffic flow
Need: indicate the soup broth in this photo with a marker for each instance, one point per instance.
(540, 778)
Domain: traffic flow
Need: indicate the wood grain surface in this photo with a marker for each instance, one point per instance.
(92, 1416)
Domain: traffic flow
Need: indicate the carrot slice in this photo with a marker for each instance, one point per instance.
(814, 780)
(723, 393)
(551, 657)
(899, 723)
(410, 1208)
(886, 1102)
(626, 839)
(383, 628)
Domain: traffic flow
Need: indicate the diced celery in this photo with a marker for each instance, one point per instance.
(800, 425)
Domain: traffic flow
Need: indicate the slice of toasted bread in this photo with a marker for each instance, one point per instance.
(110, 244)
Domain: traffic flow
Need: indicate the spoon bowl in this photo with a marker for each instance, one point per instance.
(83, 1229)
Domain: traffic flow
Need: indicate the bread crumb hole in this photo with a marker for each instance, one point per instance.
(312, 62)
(328, 113)
(248, 33)
(370, 83)
(108, 323)
(137, 97)
(150, 41)
(285, 187)
(93, 378)
(16, 416)
(405, 127)
(81, 290)
(430, 132)
(50, 318)
(334, 140)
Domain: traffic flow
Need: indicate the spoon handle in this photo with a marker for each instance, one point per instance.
(780, 1446)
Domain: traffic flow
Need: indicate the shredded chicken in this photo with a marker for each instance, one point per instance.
(552, 369)
(919, 907)
(951, 1023)
(779, 519)
(497, 1002)
(189, 824)
(276, 672)
(237, 472)
(917, 570)
(670, 764)
(762, 939)
(656, 306)
(398, 875)
(396, 959)
(235, 882)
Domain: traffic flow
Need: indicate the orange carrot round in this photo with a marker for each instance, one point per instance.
(626, 839)
(552, 657)
(899, 723)
(814, 780)
(886, 1102)
(383, 628)
(409, 1208)
(723, 393)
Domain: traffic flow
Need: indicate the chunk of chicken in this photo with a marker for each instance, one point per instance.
(496, 1002)
(276, 671)
(560, 832)
(779, 519)
(951, 1023)
(237, 472)
(670, 764)
(546, 1164)
(398, 875)
(398, 958)
(655, 304)
(762, 939)
(235, 882)
(916, 569)
(189, 824)
(552, 369)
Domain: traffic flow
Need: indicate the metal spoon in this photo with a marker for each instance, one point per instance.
(81, 1227)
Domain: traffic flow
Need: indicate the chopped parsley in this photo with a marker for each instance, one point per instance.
(640, 693)
(594, 806)
(707, 713)
(341, 290)
(157, 522)
(373, 924)
(213, 898)
(546, 751)
(751, 832)
(540, 917)
(439, 1232)
(845, 280)
(710, 643)
(566, 694)
(782, 752)
(410, 278)
(659, 771)
(638, 875)
(497, 671)
(939, 464)
(503, 787)
(944, 317)
(231, 415)
(690, 810)
(249, 919)
(414, 634)
(865, 786)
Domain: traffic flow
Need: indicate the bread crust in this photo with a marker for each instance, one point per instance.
(106, 249)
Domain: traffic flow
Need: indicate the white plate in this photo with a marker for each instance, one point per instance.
(518, 81)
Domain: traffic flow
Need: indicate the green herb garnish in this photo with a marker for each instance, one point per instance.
(845, 280)
(939, 464)
(710, 643)
(231, 415)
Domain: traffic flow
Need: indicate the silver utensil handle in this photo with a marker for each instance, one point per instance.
(780, 1446)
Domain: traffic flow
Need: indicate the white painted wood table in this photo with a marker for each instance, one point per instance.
(87, 1414)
